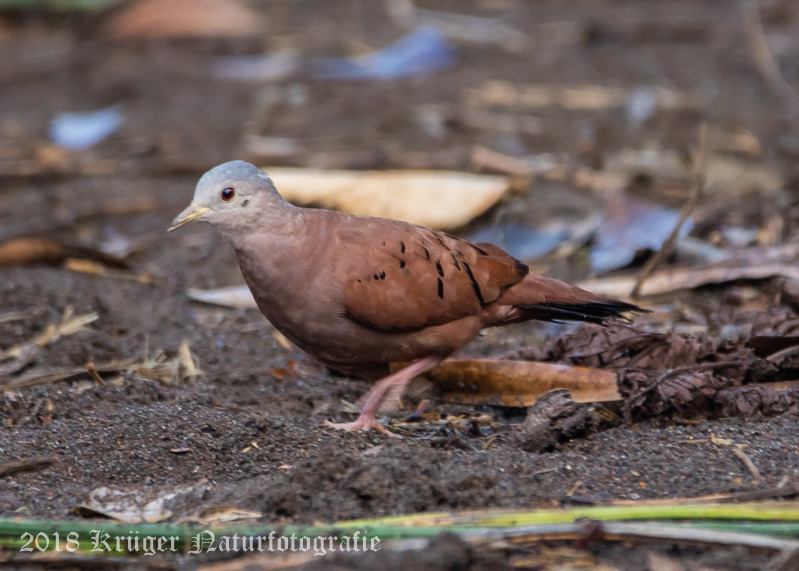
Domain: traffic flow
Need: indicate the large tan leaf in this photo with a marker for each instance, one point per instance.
(183, 19)
(520, 383)
(438, 199)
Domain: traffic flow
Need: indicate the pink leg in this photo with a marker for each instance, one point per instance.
(367, 419)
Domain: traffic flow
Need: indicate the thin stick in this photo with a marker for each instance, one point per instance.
(94, 374)
(668, 245)
(39, 377)
(27, 464)
(741, 455)
(764, 59)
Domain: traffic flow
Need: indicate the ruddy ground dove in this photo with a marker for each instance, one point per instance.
(358, 293)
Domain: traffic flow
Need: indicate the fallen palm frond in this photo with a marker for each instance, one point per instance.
(720, 524)
(777, 511)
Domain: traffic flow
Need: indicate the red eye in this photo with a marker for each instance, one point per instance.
(228, 194)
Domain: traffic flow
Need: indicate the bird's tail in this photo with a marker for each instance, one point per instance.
(546, 299)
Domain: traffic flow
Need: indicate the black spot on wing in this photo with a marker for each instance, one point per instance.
(440, 288)
(475, 285)
(440, 269)
(402, 247)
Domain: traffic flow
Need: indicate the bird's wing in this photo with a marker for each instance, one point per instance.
(409, 277)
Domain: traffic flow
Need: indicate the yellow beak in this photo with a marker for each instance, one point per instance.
(193, 212)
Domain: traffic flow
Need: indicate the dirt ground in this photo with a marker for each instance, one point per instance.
(248, 431)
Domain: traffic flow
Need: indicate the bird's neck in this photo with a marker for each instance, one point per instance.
(266, 225)
(278, 242)
(275, 258)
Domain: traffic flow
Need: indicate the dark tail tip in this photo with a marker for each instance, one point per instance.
(591, 312)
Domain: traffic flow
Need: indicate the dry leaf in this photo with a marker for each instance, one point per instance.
(132, 506)
(628, 226)
(53, 332)
(191, 370)
(459, 27)
(438, 199)
(97, 269)
(726, 175)
(225, 514)
(520, 383)
(662, 563)
(585, 97)
(183, 19)
(51, 376)
(25, 251)
(673, 279)
(237, 297)
(125, 506)
(35, 250)
(282, 340)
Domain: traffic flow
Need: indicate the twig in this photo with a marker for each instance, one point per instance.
(764, 59)
(785, 561)
(790, 489)
(53, 332)
(92, 369)
(25, 464)
(27, 354)
(787, 491)
(741, 455)
(668, 244)
(20, 315)
(43, 377)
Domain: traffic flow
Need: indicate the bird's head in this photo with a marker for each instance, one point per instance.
(231, 196)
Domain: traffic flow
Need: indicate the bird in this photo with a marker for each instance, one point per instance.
(359, 293)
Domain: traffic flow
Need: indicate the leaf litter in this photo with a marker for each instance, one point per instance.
(685, 374)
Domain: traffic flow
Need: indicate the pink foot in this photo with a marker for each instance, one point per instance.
(363, 423)
(367, 420)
